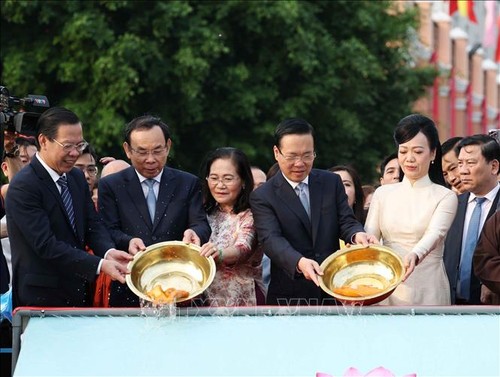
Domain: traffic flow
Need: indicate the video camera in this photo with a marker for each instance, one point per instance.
(21, 114)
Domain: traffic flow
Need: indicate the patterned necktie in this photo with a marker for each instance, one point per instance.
(303, 195)
(151, 198)
(470, 244)
(67, 201)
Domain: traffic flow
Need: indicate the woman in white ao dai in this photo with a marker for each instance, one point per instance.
(413, 217)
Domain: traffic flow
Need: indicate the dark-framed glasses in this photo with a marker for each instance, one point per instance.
(157, 152)
(68, 147)
(91, 170)
(293, 158)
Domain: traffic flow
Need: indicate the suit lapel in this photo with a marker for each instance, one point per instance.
(316, 198)
(165, 195)
(494, 205)
(460, 218)
(137, 197)
(289, 198)
(47, 181)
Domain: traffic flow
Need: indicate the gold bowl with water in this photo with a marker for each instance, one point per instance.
(360, 275)
(171, 264)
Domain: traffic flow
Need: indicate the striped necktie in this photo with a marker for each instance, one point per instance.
(67, 201)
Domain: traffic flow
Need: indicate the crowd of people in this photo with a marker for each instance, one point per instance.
(68, 233)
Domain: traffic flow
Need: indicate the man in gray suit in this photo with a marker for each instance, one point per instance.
(149, 202)
(479, 165)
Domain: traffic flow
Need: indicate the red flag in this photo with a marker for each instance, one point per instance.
(470, 11)
(465, 8)
(453, 6)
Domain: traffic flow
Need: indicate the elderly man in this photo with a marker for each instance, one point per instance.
(479, 166)
(50, 219)
(149, 202)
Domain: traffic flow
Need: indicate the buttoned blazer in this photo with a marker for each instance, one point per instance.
(287, 234)
(178, 207)
(124, 208)
(50, 264)
(453, 249)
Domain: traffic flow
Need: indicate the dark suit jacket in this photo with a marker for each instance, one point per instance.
(4, 269)
(287, 234)
(453, 250)
(50, 264)
(125, 212)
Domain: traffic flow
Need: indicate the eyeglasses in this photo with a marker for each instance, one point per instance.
(158, 152)
(227, 180)
(292, 159)
(68, 147)
(91, 170)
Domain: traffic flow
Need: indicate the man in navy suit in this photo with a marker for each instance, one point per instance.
(148, 202)
(479, 166)
(51, 218)
(300, 214)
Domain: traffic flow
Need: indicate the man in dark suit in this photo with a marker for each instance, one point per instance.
(478, 163)
(51, 218)
(148, 202)
(300, 214)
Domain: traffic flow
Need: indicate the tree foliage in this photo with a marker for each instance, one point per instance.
(220, 72)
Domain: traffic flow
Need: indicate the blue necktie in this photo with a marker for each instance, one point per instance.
(303, 195)
(67, 201)
(151, 198)
(470, 245)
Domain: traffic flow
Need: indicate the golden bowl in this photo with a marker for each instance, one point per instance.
(172, 264)
(360, 275)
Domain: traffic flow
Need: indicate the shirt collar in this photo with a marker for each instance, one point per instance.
(490, 196)
(143, 178)
(295, 184)
(53, 174)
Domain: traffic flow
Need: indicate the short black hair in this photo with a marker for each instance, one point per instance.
(490, 149)
(450, 144)
(292, 126)
(89, 149)
(385, 161)
(50, 120)
(146, 122)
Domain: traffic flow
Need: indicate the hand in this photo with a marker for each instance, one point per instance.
(135, 245)
(191, 237)
(106, 160)
(310, 268)
(410, 262)
(9, 140)
(486, 295)
(115, 270)
(365, 239)
(209, 249)
(119, 256)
